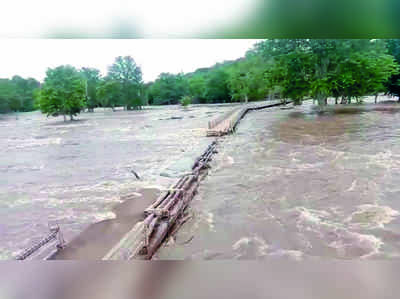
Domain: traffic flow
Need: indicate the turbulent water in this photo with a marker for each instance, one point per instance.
(300, 184)
(75, 172)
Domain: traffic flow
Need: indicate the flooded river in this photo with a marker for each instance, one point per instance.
(300, 184)
(76, 172)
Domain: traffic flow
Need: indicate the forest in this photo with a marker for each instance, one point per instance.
(286, 69)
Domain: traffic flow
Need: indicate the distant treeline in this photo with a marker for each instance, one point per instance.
(277, 68)
(17, 94)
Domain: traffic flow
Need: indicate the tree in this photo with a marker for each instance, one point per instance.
(128, 74)
(239, 84)
(381, 67)
(247, 79)
(169, 89)
(8, 96)
(63, 92)
(17, 94)
(393, 84)
(363, 67)
(24, 89)
(92, 79)
(290, 68)
(323, 61)
(197, 88)
(217, 90)
(109, 93)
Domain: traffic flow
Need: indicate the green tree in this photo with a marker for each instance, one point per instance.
(169, 89)
(8, 96)
(381, 67)
(63, 92)
(363, 67)
(197, 88)
(247, 79)
(17, 94)
(217, 90)
(109, 93)
(324, 68)
(128, 74)
(92, 79)
(393, 83)
(291, 69)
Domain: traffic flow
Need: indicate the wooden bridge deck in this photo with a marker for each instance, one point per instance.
(227, 123)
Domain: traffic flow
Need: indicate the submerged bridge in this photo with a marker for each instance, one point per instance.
(162, 218)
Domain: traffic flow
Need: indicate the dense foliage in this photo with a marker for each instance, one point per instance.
(168, 89)
(291, 69)
(126, 76)
(92, 79)
(393, 85)
(63, 92)
(17, 94)
(186, 101)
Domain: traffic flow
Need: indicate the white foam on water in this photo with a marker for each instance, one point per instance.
(21, 168)
(291, 254)
(104, 186)
(104, 216)
(309, 165)
(222, 162)
(355, 244)
(250, 247)
(311, 216)
(347, 243)
(370, 216)
(230, 160)
(386, 160)
(353, 186)
(210, 221)
(69, 125)
(32, 142)
(14, 202)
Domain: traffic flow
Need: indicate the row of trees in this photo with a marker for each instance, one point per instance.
(291, 69)
(342, 69)
(66, 90)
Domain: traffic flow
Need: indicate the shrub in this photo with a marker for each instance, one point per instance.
(186, 101)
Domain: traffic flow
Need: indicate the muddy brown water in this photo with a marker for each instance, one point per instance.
(76, 173)
(291, 183)
(300, 184)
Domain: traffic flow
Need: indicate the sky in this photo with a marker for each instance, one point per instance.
(149, 18)
(32, 57)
